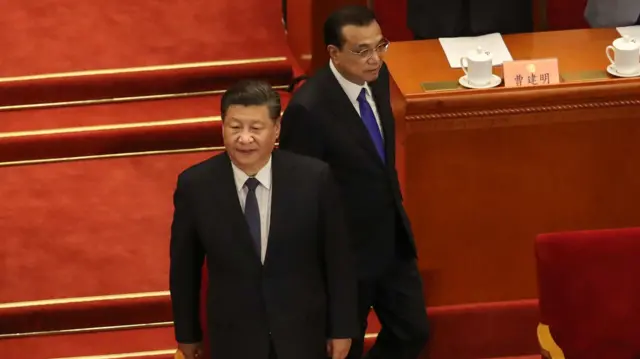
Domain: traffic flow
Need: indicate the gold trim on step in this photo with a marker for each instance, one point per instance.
(112, 155)
(170, 96)
(88, 330)
(153, 353)
(118, 100)
(142, 69)
(34, 303)
(119, 126)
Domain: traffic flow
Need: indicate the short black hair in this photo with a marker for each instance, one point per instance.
(354, 15)
(252, 93)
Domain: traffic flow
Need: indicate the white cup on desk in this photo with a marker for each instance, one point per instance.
(624, 55)
(478, 66)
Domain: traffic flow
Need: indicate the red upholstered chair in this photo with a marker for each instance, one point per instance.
(589, 294)
(566, 14)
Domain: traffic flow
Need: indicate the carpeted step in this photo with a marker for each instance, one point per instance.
(40, 316)
(152, 343)
(78, 87)
(156, 343)
(121, 48)
(114, 128)
(506, 329)
(88, 228)
(74, 131)
(483, 330)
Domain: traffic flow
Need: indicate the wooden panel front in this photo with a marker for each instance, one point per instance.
(485, 171)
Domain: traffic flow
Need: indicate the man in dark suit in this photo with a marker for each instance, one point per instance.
(431, 19)
(269, 223)
(342, 115)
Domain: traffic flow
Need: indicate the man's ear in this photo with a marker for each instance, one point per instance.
(277, 126)
(333, 51)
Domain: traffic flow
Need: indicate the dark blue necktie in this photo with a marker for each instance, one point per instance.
(369, 119)
(252, 212)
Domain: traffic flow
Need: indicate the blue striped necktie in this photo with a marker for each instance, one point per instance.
(369, 119)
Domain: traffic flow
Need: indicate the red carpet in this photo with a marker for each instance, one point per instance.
(102, 343)
(49, 36)
(73, 50)
(87, 228)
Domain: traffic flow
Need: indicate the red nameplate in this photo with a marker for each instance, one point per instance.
(524, 73)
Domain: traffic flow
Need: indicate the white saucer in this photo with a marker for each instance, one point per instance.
(495, 81)
(611, 69)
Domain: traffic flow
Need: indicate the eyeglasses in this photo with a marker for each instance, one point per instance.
(368, 53)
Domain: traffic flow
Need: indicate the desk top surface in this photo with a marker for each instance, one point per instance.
(413, 63)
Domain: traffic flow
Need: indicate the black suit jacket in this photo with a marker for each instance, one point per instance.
(320, 121)
(304, 292)
(430, 19)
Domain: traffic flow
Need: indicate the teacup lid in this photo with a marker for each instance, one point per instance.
(479, 54)
(626, 43)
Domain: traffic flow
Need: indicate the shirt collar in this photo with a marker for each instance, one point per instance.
(263, 176)
(351, 89)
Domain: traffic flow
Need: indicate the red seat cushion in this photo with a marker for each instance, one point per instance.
(589, 288)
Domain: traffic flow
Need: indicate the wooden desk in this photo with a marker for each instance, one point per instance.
(485, 171)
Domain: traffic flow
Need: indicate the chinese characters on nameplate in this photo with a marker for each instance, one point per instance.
(527, 73)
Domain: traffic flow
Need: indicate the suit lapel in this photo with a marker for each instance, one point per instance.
(342, 107)
(227, 195)
(281, 182)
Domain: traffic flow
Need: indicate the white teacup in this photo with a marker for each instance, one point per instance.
(478, 67)
(626, 55)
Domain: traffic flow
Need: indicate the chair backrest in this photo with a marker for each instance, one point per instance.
(566, 14)
(589, 291)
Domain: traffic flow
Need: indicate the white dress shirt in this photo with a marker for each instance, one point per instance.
(353, 91)
(263, 195)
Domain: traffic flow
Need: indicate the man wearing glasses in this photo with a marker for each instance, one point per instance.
(342, 115)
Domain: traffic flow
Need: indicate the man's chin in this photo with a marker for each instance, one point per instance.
(372, 75)
(246, 154)
(243, 157)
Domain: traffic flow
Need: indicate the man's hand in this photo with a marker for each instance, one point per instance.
(338, 348)
(189, 351)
